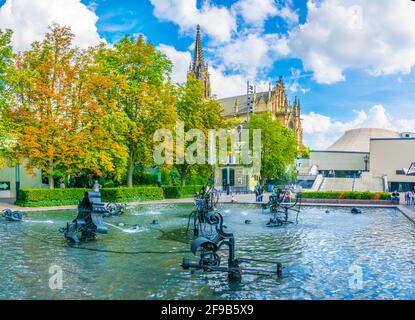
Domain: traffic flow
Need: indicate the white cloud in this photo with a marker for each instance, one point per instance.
(378, 36)
(226, 85)
(246, 54)
(30, 19)
(256, 12)
(181, 62)
(218, 22)
(321, 131)
(294, 84)
(252, 54)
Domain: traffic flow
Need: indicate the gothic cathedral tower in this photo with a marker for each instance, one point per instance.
(198, 68)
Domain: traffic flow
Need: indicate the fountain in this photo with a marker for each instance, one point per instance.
(281, 206)
(210, 238)
(13, 216)
(115, 209)
(89, 221)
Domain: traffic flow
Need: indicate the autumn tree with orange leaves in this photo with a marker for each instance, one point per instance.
(66, 119)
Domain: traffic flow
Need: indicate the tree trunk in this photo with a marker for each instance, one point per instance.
(51, 180)
(130, 171)
(183, 175)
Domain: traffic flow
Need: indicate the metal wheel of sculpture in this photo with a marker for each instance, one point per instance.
(114, 209)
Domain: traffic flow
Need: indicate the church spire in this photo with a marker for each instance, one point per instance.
(199, 69)
(198, 60)
(297, 107)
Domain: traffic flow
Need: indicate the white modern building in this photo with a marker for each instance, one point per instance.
(365, 159)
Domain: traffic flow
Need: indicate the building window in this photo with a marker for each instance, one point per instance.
(401, 186)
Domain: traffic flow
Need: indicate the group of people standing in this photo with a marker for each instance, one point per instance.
(284, 195)
(410, 198)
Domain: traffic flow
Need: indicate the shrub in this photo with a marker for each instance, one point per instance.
(44, 195)
(176, 192)
(352, 195)
(60, 197)
(132, 194)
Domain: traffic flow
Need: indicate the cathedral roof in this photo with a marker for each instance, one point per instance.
(228, 104)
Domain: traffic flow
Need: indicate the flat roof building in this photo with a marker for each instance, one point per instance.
(366, 159)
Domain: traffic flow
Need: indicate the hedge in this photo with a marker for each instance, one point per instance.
(346, 195)
(60, 197)
(132, 194)
(50, 195)
(177, 192)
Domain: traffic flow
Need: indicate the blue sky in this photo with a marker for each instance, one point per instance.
(350, 64)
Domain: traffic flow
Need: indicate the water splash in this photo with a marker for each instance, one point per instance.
(131, 230)
(39, 221)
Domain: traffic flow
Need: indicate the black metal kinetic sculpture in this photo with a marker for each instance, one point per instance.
(114, 209)
(281, 207)
(210, 238)
(89, 221)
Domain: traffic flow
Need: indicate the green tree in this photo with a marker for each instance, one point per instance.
(305, 153)
(6, 66)
(197, 112)
(291, 174)
(144, 93)
(279, 147)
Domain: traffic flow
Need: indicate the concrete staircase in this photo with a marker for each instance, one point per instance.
(337, 184)
(317, 183)
(368, 183)
(365, 183)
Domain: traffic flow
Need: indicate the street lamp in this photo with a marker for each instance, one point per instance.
(366, 159)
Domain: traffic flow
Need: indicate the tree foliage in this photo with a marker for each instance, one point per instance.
(279, 147)
(6, 67)
(305, 153)
(61, 109)
(197, 112)
(143, 92)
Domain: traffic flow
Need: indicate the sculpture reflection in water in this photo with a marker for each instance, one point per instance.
(89, 221)
(211, 238)
(283, 205)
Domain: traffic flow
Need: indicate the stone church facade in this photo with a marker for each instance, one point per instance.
(233, 177)
(274, 101)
